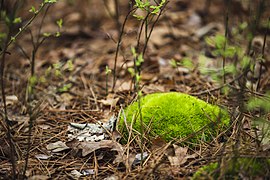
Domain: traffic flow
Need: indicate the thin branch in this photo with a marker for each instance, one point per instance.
(118, 47)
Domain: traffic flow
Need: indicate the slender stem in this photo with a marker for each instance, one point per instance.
(118, 47)
(226, 39)
(263, 48)
(152, 28)
(116, 17)
(9, 135)
(25, 26)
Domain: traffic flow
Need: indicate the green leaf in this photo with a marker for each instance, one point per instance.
(138, 78)
(142, 5)
(108, 70)
(140, 60)
(48, 71)
(17, 20)
(3, 35)
(57, 73)
(138, 17)
(42, 79)
(133, 51)
(47, 34)
(173, 63)
(187, 63)
(231, 69)
(57, 65)
(33, 10)
(7, 20)
(70, 65)
(230, 52)
(50, 1)
(60, 23)
(225, 90)
(131, 71)
(33, 80)
(57, 34)
(12, 38)
(65, 88)
(245, 62)
(155, 10)
(243, 25)
(220, 41)
(210, 41)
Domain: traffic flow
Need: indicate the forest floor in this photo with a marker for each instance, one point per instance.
(77, 89)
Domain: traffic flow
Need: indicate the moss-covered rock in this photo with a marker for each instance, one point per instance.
(177, 115)
(250, 168)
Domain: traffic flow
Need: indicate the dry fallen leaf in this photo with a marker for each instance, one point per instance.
(39, 177)
(110, 101)
(11, 100)
(57, 146)
(180, 155)
(89, 147)
(42, 156)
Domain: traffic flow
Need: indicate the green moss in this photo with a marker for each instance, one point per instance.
(246, 167)
(205, 171)
(177, 115)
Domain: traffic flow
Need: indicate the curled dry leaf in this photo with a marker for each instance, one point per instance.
(180, 155)
(42, 156)
(11, 100)
(110, 101)
(57, 146)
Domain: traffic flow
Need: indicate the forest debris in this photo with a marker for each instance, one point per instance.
(194, 20)
(11, 100)
(75, 174)
(110, 101)
(42, 156)
(178, 155)
(91, 131)
(57, 146)
(263, 132)
(139, 158)
(39, 177)
(112, 177)
(89, 147)
(85, 172)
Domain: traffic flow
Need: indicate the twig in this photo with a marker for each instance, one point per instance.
(118, 47)
(217, 88)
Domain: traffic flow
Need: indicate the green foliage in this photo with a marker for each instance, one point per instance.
(17, 20)
(236, 61)
(177, 115)
(60, 23)
(50, 1)
(220, 42)
(138, 62)
(247, 167)
(65, 88)
(108, 70)
(146, 6)
(256, 103)
(33, 10)
(57, 70)
(142, 4)
(31, 84)
(185, 62)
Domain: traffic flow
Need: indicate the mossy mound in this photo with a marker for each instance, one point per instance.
(251, 168)
(177, 115)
